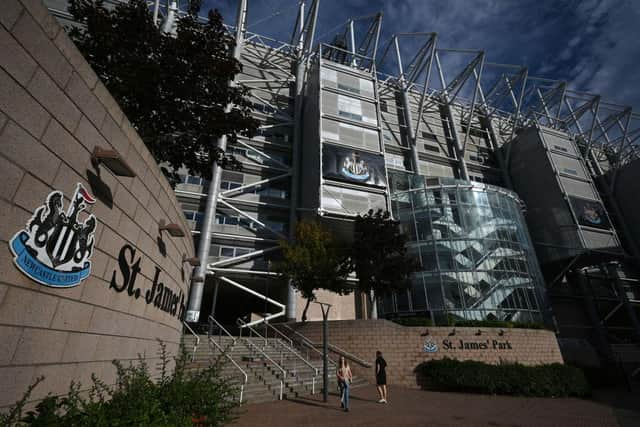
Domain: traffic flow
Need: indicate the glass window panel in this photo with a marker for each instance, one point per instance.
(226, 252)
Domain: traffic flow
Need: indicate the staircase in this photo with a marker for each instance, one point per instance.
(264, 377)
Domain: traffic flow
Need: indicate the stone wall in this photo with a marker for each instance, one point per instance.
(404, 347)
(53, 112)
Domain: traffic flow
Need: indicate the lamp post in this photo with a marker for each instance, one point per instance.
(325, 349)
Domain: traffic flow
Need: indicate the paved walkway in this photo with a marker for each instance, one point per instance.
(409, 407)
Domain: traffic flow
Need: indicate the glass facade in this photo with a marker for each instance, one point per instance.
(477, 260)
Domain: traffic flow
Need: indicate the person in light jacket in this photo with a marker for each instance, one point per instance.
(344, 376)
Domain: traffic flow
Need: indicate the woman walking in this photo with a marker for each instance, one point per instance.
(344, 381)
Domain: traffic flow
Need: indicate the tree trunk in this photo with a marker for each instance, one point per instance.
(304, 312)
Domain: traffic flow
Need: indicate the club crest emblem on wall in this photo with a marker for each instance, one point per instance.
(55, 247)
(430, 346)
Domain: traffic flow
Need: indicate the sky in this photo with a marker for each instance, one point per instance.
(593, 44)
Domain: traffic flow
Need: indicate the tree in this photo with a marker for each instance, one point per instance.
(172, 87)
(314, 261)
(379, 255)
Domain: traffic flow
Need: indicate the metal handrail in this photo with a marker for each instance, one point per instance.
(222, 329)
(244, 324)
(333, 348)
(195, 346)
(267, 325)
(348, 355)
(283, 346)
(306, 341)
(246, 377)
(266, 356)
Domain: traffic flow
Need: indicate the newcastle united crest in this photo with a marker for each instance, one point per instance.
(55, 246)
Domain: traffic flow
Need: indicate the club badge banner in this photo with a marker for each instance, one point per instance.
(352, 165)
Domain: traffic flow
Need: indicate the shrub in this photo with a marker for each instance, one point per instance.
(552, 380)
(137, 399)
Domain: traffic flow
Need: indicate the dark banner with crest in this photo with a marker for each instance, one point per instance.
(352, 165)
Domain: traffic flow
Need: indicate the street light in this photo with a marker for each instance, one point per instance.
(325, 348)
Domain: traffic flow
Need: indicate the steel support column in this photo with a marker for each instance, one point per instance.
(305, 45)
(197, 286)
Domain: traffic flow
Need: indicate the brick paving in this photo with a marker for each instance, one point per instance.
(409, 407)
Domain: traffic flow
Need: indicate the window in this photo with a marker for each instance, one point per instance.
(227, 252)
(196, 180)
(242, 251)
(429, 136)
(394, 161)
(348, 115)
(348, 88)
(431, 148)
(560, 148)
(479, 159)
(229, 185)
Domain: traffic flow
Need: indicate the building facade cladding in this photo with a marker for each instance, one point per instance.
(569, 217)
(54, 112)
(253, 212)
(477, 260)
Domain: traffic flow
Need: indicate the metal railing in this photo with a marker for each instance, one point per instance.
(221, 329)
(291, 349)
(223, 352)
(266, 356)
(284, 349)
(331, 347)
(277, 331)
(197, 341)
(309, 345)
(244, 325)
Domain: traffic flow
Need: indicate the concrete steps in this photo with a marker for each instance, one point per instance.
(264, 378)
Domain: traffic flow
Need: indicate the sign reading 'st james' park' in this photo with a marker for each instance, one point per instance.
(430, 346)
(55, 247)
(160, 295)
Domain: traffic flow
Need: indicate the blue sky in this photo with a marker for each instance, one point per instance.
(594, 44)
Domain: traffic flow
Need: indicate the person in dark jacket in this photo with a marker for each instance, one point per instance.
(381, 377)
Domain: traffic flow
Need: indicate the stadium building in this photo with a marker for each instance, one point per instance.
(516, 192)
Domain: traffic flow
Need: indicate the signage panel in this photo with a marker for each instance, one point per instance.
(354, 166)
(590, 213)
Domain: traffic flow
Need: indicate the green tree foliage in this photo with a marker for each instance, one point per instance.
(173, 88)
(314, 261)
(137, 399)
(379, 255)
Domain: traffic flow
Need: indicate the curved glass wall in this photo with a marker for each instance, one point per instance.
(477, 260)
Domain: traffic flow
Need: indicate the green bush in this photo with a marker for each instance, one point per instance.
(553, 380)
(137, 399)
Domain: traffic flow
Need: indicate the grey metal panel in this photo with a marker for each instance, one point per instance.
(568, 165)
(548, 215)
(349, 201)
(559, 143)
(600, 239)
(575, 187)
(436, 169)
(355, 136)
